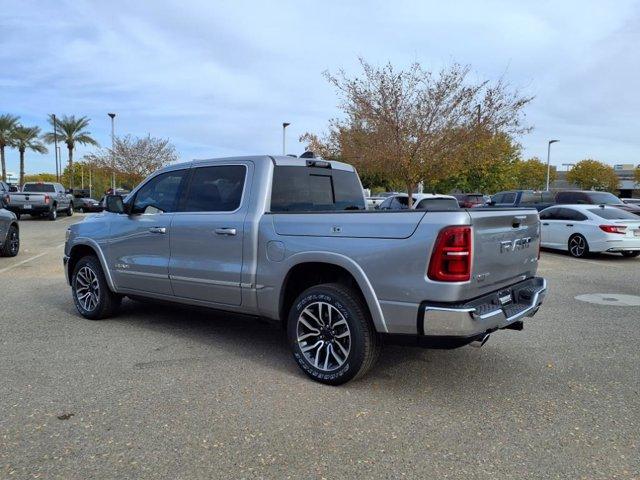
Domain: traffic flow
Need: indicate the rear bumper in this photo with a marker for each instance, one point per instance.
(18, 209)
(443, 325)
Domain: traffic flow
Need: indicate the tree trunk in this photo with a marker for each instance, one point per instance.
(4, 165)
(410, 188)
(21, 168)
(70, 147)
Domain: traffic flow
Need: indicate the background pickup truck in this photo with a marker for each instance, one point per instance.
(523, 199)
(290, 240)
(40, 198)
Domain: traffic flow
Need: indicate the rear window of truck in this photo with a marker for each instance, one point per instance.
(38, 187)
(312, 189)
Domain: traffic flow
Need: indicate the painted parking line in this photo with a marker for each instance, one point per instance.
(31, 259)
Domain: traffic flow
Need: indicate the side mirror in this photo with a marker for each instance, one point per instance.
(491, 203)
(114, 204)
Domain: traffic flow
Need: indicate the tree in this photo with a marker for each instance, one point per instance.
(40, 177)
(637, 174)
(27, 138)
(70, 130)
(8, 124)
(593, 175)
(404, 124)
(132, 159)
(532, 174)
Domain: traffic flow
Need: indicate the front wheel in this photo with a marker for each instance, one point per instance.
(331, 335)
(578, 246)
(12, 244)
(91, 294)
(630, 254)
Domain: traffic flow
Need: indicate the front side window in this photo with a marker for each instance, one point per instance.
(160, 194)
(215, 189)
(509, 198)
(400, 203)
(549, 214)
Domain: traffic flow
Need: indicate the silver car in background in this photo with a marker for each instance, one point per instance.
(9, 233)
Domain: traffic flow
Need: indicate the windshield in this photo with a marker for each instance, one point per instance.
(438, 204)
(613, 214)
(604, 198)
(38, 187)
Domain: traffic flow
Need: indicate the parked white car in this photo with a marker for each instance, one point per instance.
(373, 202)
(580, 229)
(421, 201)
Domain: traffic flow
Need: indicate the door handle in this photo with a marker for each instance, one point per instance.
(161, 230)
(546, 224)
(569, 224)
(226, 231)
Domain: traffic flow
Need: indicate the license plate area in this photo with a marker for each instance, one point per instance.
(505, 297)
(636, 233)
(26, 206)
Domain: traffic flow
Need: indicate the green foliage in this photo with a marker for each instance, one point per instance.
(8, 124)
(40, 177)
(27, 138)
(593, 175)
(531, 174)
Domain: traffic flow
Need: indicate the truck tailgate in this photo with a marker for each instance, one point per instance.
(18, 198)
(505, 246)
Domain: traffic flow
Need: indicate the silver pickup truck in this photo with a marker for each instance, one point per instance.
(39, 199)
(290, 239)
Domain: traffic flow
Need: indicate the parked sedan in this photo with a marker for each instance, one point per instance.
(87, 205)
(588, 197)
(581, 229)
(9, 233)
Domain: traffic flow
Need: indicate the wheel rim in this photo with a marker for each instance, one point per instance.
(87, 288)
(323, 336)
(577, 246)
(14, 242)
(54, 213)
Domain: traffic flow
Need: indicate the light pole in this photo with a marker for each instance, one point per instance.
(113, 171)
(284, 128)
(55, 143)
(548, 158)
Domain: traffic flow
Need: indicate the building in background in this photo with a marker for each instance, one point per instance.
(627, 186)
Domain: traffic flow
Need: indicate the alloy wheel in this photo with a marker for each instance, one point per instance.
(323, 336)
(14, 242)
(577, 246)
(87, 288)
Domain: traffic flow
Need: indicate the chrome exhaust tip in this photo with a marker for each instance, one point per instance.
(480, 341)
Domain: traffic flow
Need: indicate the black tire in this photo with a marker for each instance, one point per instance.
(363, 342)
(106, 302)
(69, 210)
(11, 246)
(18, 216)
(630, 254)
(578, 246)
(81, 209)
(53, 213)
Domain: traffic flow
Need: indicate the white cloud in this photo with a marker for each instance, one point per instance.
(218, 78)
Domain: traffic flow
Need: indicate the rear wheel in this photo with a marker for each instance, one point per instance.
(578, 246)
(630, 254)
(53, 213)
(12, 245)
(331, 334)
(69, 211)
(91, 294)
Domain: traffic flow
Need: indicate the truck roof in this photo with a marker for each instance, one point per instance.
(279, 160)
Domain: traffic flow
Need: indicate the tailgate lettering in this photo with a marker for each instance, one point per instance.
(515, 245)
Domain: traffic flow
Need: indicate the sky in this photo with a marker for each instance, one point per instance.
(219, 78)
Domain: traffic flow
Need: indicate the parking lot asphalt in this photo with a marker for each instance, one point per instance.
(170, 392)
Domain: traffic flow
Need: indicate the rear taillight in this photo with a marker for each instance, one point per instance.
(614, 229)
(451, 257)
(46, 199)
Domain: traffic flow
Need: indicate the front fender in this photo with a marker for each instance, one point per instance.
(89, 242)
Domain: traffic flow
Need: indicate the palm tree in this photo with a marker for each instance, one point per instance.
(70, 130)
(8, 124)
(27, 138)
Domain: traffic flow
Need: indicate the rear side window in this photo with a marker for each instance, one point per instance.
(613, 214)
(39, 187)
(530, 198)
(571, 214)
(215, 189)
(309, 189)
